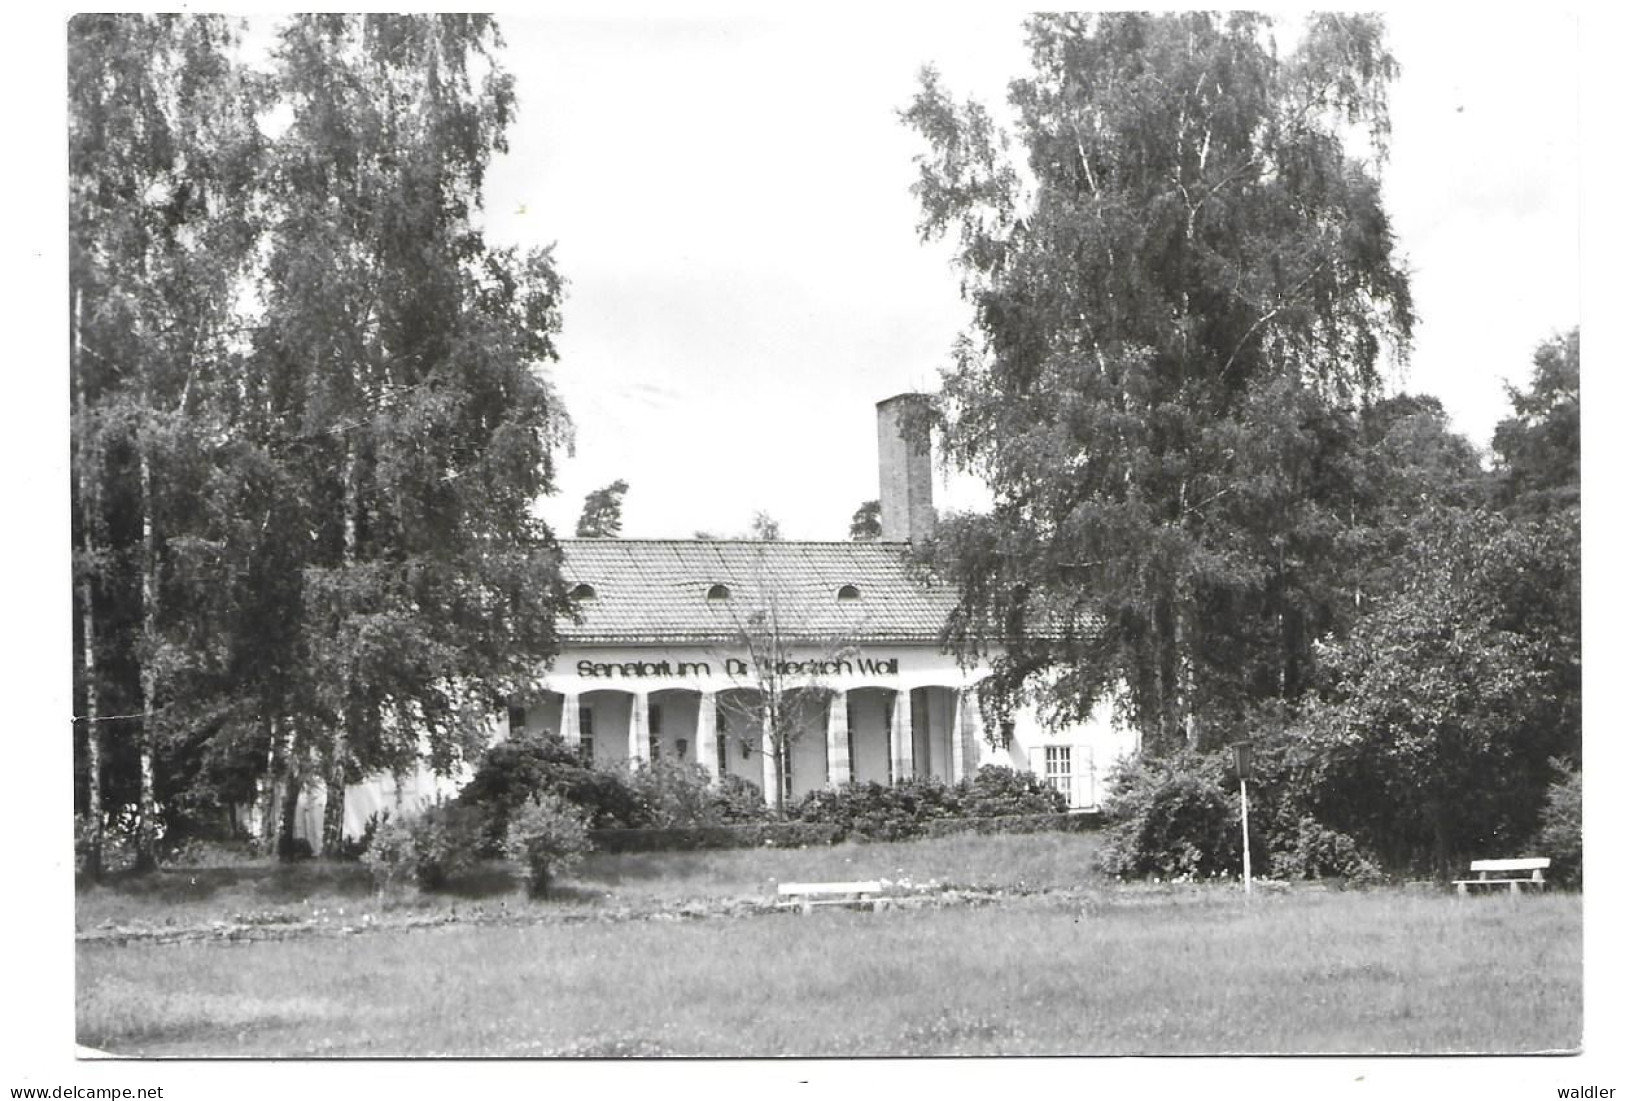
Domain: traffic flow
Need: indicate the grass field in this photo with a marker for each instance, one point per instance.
(635, 881)
(1060, 963)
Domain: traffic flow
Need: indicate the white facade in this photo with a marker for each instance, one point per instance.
(646, 673)
(873, 715)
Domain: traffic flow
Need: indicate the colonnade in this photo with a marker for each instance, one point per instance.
(963, 730)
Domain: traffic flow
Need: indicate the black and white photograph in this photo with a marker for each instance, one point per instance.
(750, 546)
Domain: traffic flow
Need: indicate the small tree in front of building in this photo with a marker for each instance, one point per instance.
(546, 838)
(785, 693)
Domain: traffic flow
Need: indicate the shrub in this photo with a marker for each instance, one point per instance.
(1171, 817)
(1560, 837)
(672, 794)
(996, 791)
(290, 849)
(447, 840)
(1014, 823)
(736, 800)
(876, 812)
(744, 835)
(515, 771)
(354, 848)
(1311, 850)
(201, 853)
(391, 857)
(547, 837)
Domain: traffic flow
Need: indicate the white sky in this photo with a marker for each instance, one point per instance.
(730, 204)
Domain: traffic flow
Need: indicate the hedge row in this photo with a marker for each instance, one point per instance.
(792, 835)
(749, 835)
(1015, 823)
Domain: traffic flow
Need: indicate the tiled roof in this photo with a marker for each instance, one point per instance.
(657, 590)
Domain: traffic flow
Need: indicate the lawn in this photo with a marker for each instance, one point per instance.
(1058, 962)
(616, 884)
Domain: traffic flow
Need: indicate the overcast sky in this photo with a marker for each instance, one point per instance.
(730, 204)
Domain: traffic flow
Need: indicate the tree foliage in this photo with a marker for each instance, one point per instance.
(312, 410)
(1456, 702)
(1179, 293)
(1450, 699)
(764, 528)
(865, 526)
(601, 512)
(1537, 449)
(163, 144)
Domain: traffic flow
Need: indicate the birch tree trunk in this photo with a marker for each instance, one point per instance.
(146, 841)
(333, 812)
(87, 487)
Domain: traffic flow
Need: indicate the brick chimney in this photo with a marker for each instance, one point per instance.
(906, 512)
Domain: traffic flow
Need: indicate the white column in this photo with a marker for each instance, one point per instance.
(770, 766)
(956, 739)
(637, 730)
(970, 723)
(902, 735)
(705, 734)
(840, 757)
(570, 720)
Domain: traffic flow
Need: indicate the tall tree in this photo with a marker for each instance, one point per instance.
(865, 526)
(309, 415)
(398, 377)
(1193, 275)
(764, 528)
(1453, 705)
(1448, 703)
(601, 512)
(162, 145)
(1537, 449)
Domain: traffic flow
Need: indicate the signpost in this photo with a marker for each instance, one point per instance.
(1244, 769)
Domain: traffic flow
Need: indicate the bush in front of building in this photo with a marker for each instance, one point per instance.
(1014, 823)
(513, 772)
(546, 837)
(447, 840)
(391, 855)
(430, 849)
(671, 793)
(873, 811)
(1171, 817)
(997, 791)
(913, 808)
(740, 835)
(739, 801)
(680, 794)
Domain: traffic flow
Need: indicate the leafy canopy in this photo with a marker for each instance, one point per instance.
(1187, 278)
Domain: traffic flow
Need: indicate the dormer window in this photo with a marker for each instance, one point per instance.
(717, 592)
(583, 592)
(847, 592)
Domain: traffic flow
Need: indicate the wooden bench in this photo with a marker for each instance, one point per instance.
(1514, 875)
(807, 895)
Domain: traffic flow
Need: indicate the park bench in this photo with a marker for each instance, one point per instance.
(807, 895)
(1514, 875)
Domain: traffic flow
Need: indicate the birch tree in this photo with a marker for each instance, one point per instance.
(1188, 274)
